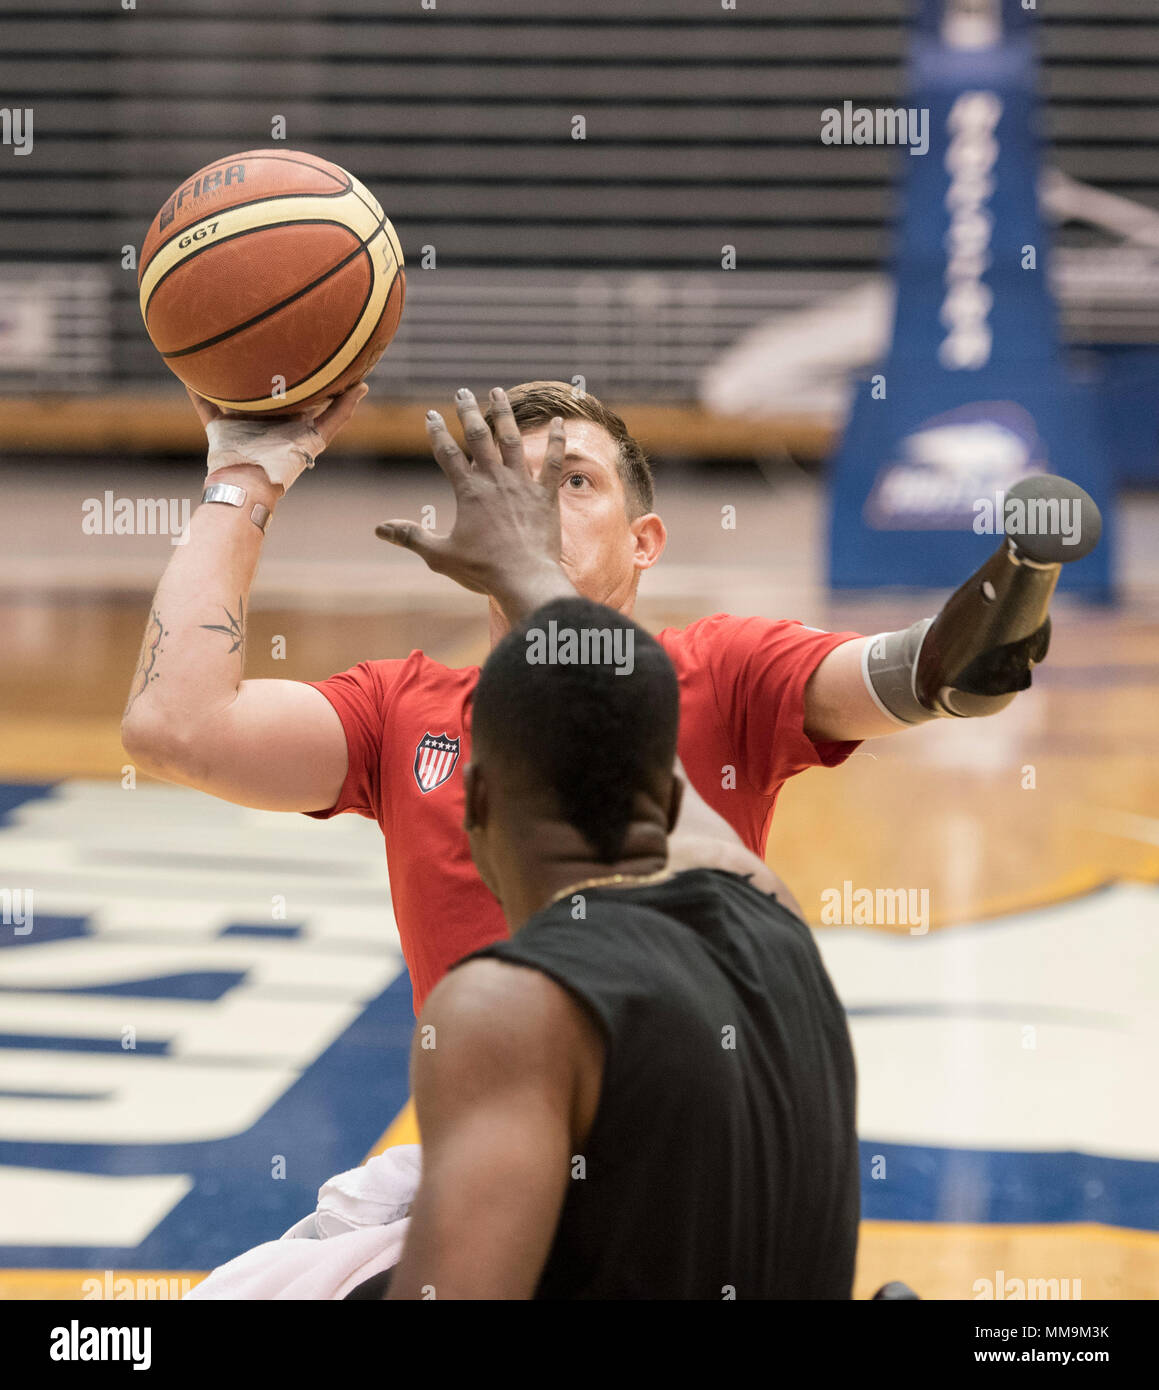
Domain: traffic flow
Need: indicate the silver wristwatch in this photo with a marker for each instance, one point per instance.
(234, 496)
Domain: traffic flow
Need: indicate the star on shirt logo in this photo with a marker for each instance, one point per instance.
(435, 760)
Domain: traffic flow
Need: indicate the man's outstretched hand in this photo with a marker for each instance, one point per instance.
(506, 540)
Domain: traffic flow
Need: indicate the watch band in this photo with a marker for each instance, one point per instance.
(234, 496)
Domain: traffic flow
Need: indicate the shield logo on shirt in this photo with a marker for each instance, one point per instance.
(435, 760)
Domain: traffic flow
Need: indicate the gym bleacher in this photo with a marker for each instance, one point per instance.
(545, 255)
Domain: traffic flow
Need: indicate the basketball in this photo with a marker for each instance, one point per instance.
(270, 281)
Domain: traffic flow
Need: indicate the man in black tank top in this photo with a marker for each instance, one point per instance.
(648, 1092)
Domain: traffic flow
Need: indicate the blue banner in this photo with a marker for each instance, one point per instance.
(974, 393)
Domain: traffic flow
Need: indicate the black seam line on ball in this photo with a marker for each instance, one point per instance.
(359, 250)
(245, 231)
(293, 385)
(222, 241)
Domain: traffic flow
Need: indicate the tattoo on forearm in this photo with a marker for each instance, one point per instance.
(151, 649)
(235, 630)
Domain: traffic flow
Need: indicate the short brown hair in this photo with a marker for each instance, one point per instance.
(538, 402)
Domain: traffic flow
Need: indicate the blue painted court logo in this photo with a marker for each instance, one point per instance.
(435, 760)
(192, 1043)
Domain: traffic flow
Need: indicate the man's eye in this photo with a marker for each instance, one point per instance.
(573, 478)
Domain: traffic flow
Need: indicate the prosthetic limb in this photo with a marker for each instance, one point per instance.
(978, 652)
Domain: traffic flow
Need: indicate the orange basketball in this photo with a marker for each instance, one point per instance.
(270, 281)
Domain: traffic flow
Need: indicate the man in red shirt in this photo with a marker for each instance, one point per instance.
(556, 498)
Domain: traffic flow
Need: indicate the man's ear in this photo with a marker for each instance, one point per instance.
(650, 536)
(675, 800)
(475, 798)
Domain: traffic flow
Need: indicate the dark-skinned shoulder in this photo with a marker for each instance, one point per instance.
(498, 1026)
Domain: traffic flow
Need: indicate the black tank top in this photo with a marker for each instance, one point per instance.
(723, 1158)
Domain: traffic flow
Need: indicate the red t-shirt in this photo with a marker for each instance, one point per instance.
(408, 735)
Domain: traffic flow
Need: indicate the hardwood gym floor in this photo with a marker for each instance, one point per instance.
(1004, 1058)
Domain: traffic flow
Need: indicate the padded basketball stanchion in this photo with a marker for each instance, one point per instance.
(974, 393)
